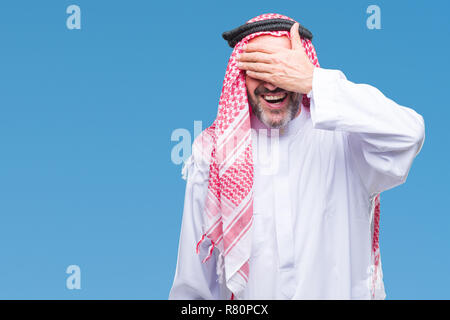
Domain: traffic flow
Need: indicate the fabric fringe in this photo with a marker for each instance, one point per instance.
(220, 263)
(210, 250)
(376, 285)
(220, 269)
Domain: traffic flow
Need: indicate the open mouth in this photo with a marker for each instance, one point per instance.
(275, 101)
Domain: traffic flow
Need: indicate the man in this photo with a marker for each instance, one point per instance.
(296, 218)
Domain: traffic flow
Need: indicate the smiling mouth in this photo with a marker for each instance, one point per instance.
(275, 98)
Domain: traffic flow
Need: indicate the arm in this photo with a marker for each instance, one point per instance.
(194, 280)
(383, 137)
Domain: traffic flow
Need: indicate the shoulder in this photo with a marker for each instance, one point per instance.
(199, 160)
(203, 147)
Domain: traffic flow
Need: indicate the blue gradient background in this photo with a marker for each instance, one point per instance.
(86, 118)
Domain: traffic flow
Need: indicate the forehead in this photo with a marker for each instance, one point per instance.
(268, 40)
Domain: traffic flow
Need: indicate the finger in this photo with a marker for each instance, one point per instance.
(259, 75)
(255, 57)
(255, 66)
(257, 47)
(296, 42)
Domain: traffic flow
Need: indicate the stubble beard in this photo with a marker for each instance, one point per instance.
(291, 110)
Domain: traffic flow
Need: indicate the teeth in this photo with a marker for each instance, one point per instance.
(278, 97)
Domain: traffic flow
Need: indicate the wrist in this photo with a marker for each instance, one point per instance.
(309, 82)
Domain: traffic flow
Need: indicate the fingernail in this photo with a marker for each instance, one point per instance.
(244, 47)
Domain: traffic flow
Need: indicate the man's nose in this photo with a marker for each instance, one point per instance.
(269, 86)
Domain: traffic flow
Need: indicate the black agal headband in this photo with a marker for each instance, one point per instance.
(239, 33)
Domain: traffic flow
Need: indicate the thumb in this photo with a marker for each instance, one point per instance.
(296, 42)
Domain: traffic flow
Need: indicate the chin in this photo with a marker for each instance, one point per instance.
(274, 118)
(274, 121)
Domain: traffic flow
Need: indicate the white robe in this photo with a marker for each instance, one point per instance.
(313, 208)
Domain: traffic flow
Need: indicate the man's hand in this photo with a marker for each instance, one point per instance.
(289, 69)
